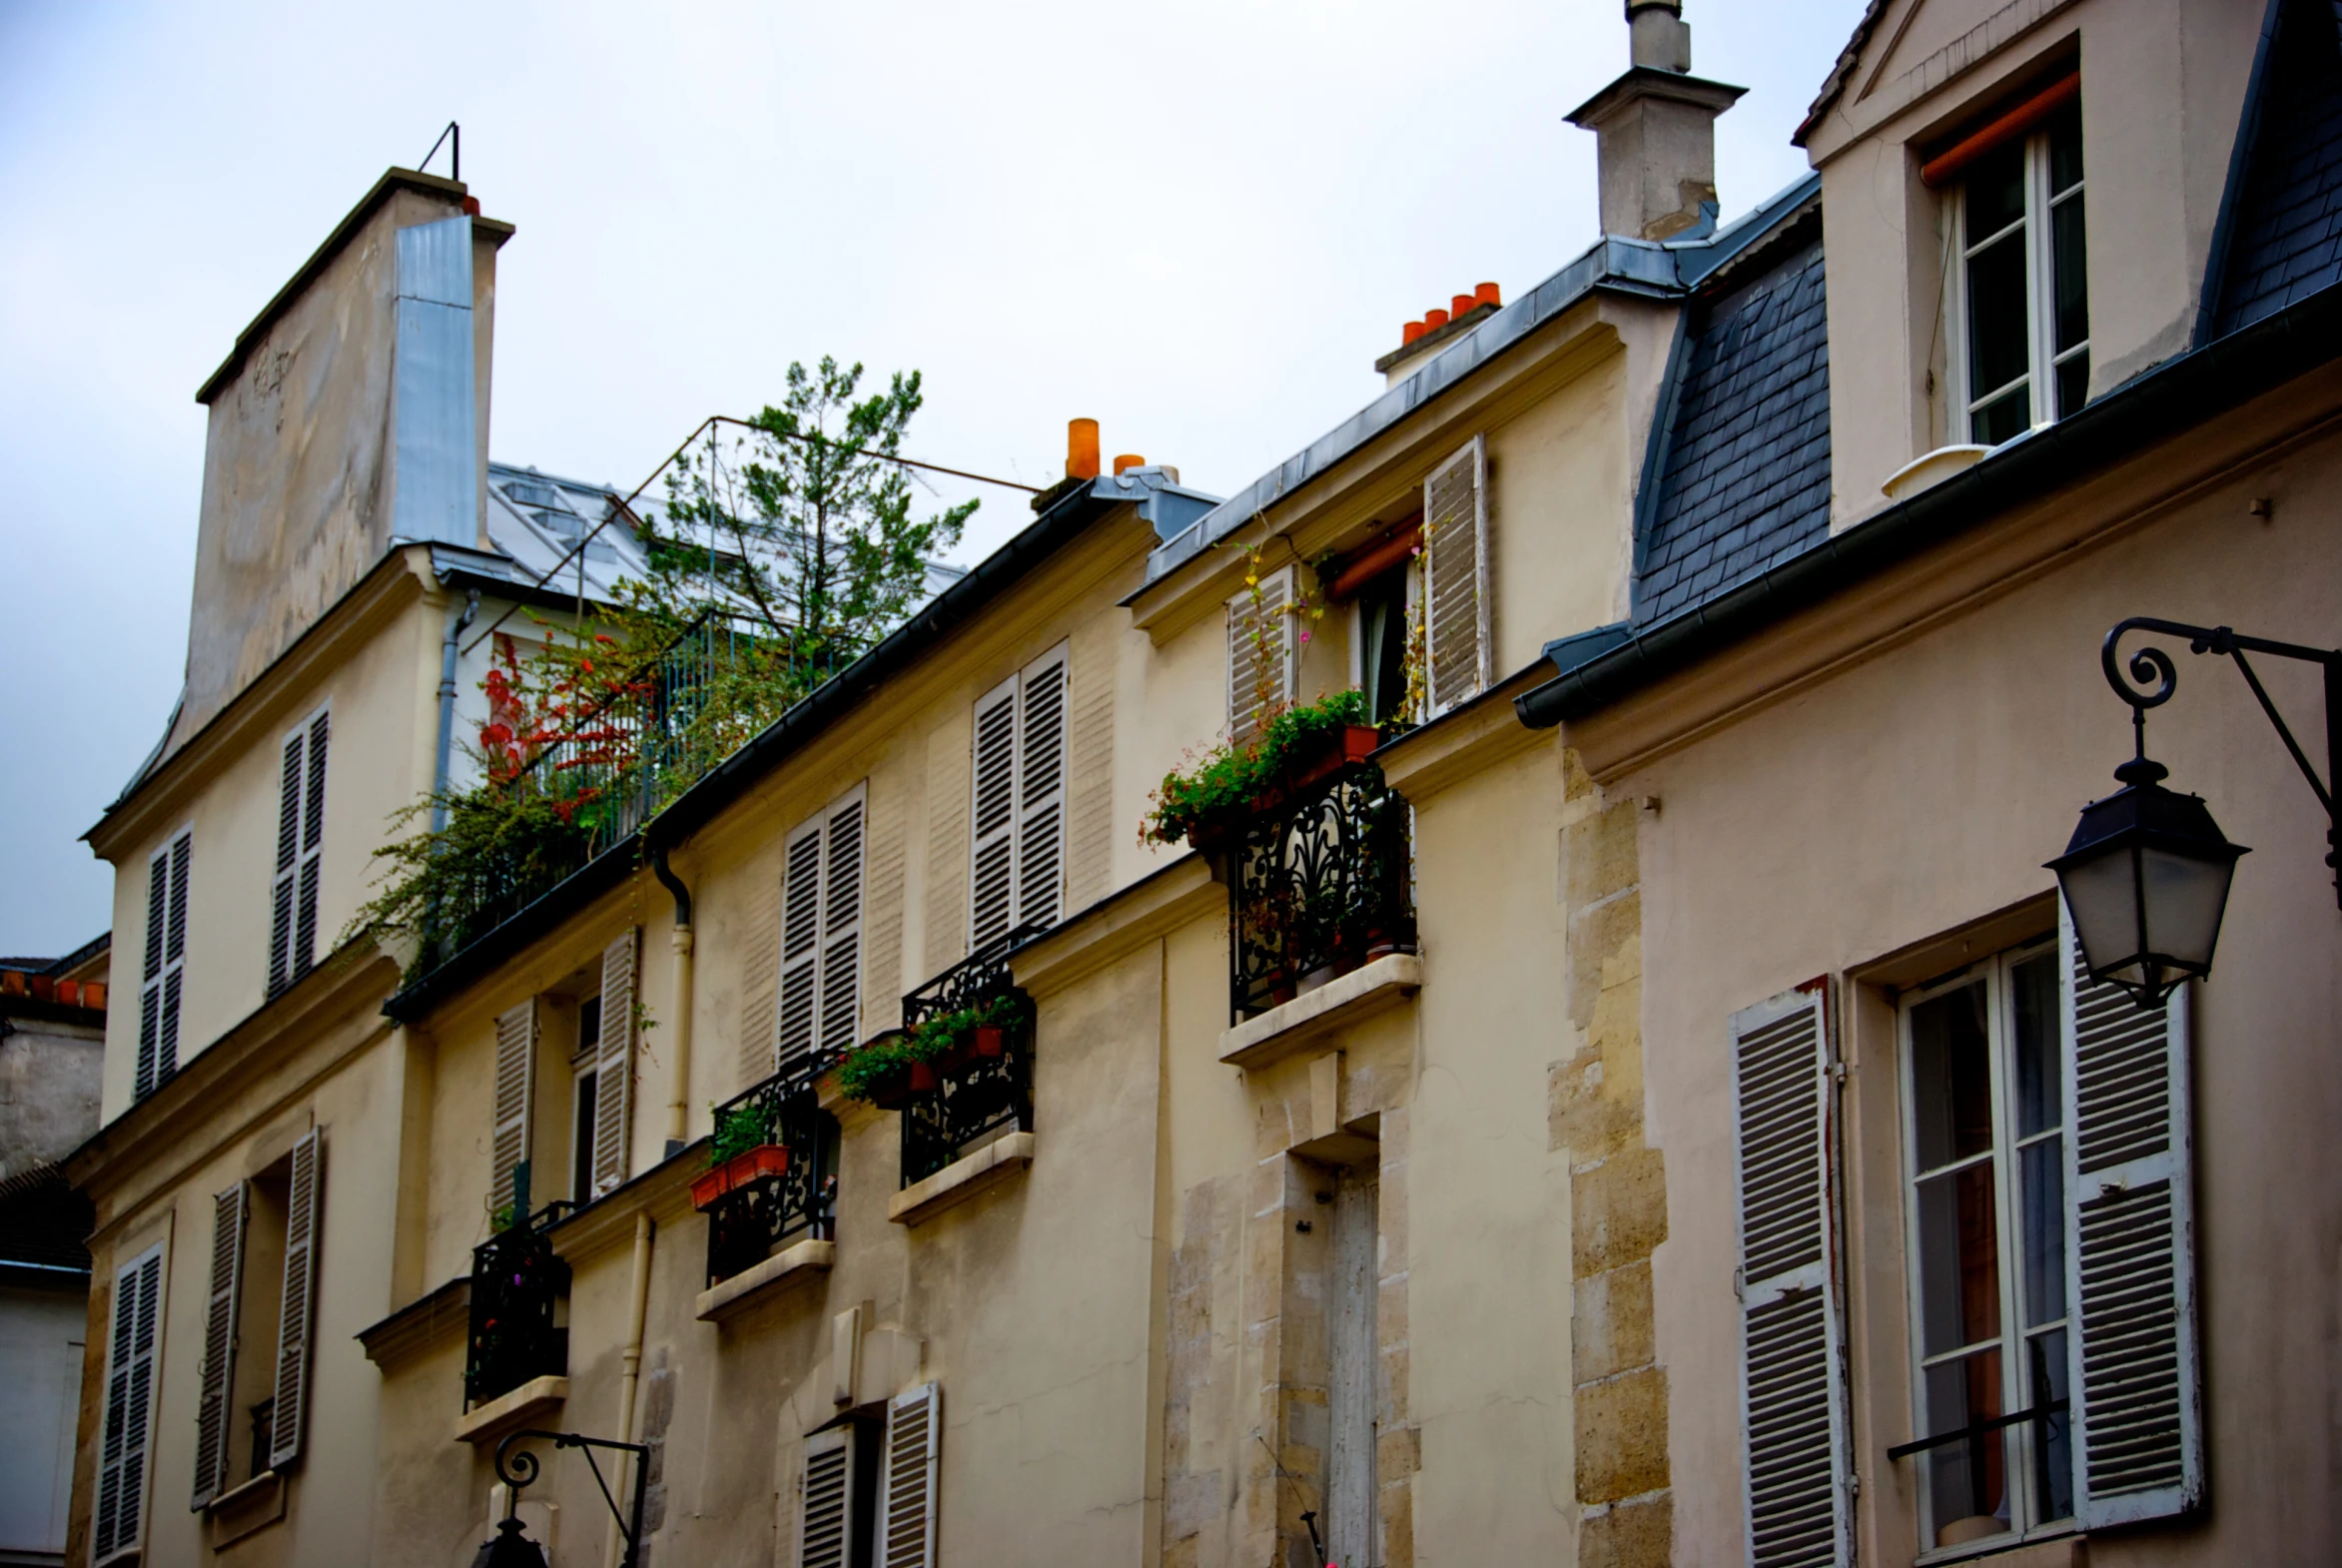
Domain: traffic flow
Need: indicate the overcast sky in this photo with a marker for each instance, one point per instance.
(1198, 224)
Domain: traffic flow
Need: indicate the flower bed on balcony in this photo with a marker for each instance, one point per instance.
(1290, 754)
(891, 1067)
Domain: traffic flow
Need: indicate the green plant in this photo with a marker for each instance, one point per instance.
(865, 1069)
(738, 1130)
(1228, 776)
(503, 1220)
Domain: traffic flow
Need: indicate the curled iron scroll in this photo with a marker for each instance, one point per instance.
(2150, 667)
(517, 1468)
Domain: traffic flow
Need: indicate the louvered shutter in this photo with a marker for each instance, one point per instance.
(2130, 1272)
(305, 1204)
(906, 1531)
(130, 1402)
(1792, 1378)
(301, 832)
(281, 892)
(614, 1102)
(313, 842)
(825, 1535)
(1458, 647)
(150, 992)
(800, 943)
(230, 1210)
(174, 960)
(1259, 654)
(1041, 791)
(992, 896)
(515, 1096)
(841, 925)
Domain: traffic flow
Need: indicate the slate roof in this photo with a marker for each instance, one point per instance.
(2285, 242)
(1744, 478)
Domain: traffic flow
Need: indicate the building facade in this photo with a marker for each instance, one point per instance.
(1377, 1173)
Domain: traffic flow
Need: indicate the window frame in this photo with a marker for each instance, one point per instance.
(2042, 357)
(2019, 1458)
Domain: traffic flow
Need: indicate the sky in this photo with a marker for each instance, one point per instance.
(1198, 224)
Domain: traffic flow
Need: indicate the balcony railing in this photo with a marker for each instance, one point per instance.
(976, 1100)
(749, 1222)
(1318, 886)
(518, 1288)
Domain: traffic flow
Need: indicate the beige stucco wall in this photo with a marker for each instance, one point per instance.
(1919, 791)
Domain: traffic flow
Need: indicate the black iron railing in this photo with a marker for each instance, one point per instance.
(746, 1223)
(517, 1291)
(976, 1099)
(1318, 886)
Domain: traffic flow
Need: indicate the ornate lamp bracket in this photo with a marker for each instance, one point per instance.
(519, 1469)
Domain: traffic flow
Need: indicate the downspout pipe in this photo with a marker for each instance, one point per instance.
(679, 1107)
(447, 751)
(630, 1366)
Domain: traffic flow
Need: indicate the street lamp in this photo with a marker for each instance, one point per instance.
(2147, 873)
(510, 1546)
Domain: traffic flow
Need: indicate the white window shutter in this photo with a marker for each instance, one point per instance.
(907, 1489)
(1041, 791)
(287, 873)
(213, 1420)
(1792, 1384)
(516, 1096)
(1459, 650)
(130, 1405)
(800, 943)
(991, 886)
(825, 1533)
(305, 1204)
(2138, 1445)
(841, 925)
(1260, 663)
(614, 1102)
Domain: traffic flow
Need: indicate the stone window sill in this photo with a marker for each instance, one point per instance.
(2054, 1546)
(532, 1401)
(785, 1268)
(1286, 1028)
(961, 1180)
(253, 1506)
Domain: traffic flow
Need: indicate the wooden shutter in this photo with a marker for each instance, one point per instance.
(1458, 647)
(288, 864)
(301, 827)
(1259, 654)
(304, 1209)
(1040, 790)
(825, 1535)
(614, 1102)
(992, 889)
(841, 925)
(2130, 1268)
(213, 1423)
(313, 844)
(516, 1096)
(130, 1403)
(174, 960)
(1792, 1385)
(800, 943)
(160, 983)
(907, 1491)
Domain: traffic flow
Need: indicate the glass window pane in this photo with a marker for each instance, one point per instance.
(1994, 192)
(1952, 1076)
(2073, 385)
(2003, 419)
(1966, 1481)
(2065, 149)
(1960, 1259)
(1999, 334)
(2033, 1000)
(581, 1139)
(2041, 1187)
(2069, 259)
(2053, 1439)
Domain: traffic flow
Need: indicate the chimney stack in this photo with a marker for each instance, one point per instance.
(1655, 132)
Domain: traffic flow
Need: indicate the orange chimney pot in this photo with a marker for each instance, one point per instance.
(1081, 448)
(1461, 305)
(1488, 294)
(1409, 333)
(1128, 459)
(1434, 320)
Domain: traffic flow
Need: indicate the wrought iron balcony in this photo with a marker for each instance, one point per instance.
(754, 1215)
(983, 1096)
(518, 1288)
(1318, 885)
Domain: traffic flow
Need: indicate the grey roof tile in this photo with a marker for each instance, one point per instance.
(2286, 236)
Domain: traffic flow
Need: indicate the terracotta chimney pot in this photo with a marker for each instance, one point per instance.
(1081, 448)
(1128, 459)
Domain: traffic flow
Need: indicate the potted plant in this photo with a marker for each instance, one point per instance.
(740, 1151)
(1295, 749)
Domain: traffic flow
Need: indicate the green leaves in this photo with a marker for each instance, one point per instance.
(1230, 777)
(863, 1070)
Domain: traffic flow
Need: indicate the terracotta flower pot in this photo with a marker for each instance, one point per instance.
(736, 1173)
(705, 1189)
(992, 1041)
(924, 1078)
(893, 1092)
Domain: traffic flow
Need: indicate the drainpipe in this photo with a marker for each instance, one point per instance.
(630, 1368)
(456, 627)
(679, 1109)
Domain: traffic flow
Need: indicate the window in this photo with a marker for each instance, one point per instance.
(166, 964)
(869, 1499)
(133, 1347)
(301, 833)
(585, 1066)
(821, 930)
(1379, 641)
(1260, 648)
(1459, 641)
(2022, 282)
(1016, 875)
(1986, 1227)
(262, 1298)
(569, 1106)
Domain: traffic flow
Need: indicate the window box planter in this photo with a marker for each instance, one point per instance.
(762, 1160)
(1325, 756)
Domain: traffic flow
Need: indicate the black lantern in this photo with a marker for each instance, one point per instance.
(2146, 878)
(509, 1547)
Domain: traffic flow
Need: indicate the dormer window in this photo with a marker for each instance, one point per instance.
(2023, 301)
